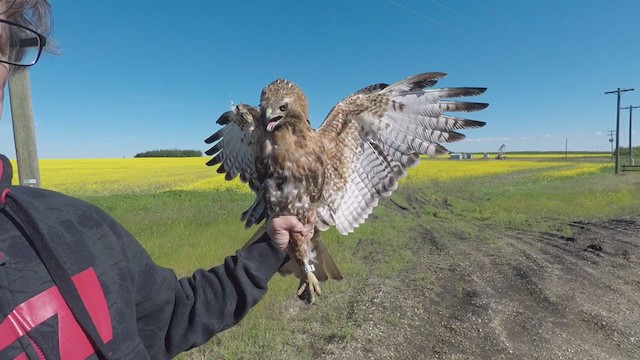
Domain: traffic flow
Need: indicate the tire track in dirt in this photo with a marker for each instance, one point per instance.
(525, 295)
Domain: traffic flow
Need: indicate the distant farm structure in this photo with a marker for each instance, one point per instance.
(502, 153)
(460, 156)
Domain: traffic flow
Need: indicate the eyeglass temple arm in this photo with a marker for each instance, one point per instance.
(32, 42)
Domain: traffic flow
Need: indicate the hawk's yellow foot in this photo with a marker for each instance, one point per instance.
(309, 288)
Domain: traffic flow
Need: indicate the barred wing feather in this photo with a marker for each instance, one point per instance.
(234, 149)
(376, 134)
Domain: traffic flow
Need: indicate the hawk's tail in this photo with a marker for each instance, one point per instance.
(326, 268)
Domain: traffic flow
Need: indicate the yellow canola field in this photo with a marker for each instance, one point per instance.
(576, 170)
(86, 177)
(129, 176)
(457, 169)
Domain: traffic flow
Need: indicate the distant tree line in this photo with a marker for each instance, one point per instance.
(170, 153)
(625, 151)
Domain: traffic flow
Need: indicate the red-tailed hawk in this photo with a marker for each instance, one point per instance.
(335, 175)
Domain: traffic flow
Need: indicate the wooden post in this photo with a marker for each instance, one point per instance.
(618, 92)
(630, 108)
(24, 134)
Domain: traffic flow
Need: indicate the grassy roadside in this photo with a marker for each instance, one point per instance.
(185, 230)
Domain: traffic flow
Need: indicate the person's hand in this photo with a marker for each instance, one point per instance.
(280, 229)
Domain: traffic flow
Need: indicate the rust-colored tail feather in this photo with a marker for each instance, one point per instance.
(326, 268)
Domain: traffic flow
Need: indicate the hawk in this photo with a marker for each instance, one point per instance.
(335, 175)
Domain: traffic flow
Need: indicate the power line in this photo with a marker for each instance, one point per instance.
(618, 92)
(494, 34)
(450, 28)
(488, 11)
(462, 16)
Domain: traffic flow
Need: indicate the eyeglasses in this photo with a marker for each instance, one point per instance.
(20, 45)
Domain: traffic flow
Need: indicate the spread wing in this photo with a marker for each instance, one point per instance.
(376, 134)
(234, 149)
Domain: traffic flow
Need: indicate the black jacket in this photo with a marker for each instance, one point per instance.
(139, 310)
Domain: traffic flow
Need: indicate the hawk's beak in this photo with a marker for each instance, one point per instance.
(273, 119)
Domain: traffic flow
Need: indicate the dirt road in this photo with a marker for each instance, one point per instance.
(520, 295)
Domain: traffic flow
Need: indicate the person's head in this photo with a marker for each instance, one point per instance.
(24, 25)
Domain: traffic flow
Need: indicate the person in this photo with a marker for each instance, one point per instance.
(74, 284)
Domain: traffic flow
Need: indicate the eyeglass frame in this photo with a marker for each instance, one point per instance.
(41, 43)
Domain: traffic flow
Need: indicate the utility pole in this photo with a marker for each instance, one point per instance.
(23, 128)
(630, 108)
(618, 92)
(611, 133)
(565, 148)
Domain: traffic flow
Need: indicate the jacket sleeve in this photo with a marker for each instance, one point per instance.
(174, 315)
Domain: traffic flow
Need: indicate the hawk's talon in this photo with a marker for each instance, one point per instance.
(309, 288)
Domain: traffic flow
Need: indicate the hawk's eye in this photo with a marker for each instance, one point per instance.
(283, 107)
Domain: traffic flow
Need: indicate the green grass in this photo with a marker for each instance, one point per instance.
(522, 201)
(183, 230)
(186, 230)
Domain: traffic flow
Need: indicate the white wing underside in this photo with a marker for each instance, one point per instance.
(380, 132)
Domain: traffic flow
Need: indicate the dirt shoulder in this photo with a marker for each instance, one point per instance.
(519, 295)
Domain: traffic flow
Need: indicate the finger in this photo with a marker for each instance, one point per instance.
(302, 230)
(309, 228)
(294, 225)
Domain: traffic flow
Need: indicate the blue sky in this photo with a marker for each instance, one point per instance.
(133, 76)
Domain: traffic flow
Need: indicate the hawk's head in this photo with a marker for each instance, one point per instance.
(283, 103)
